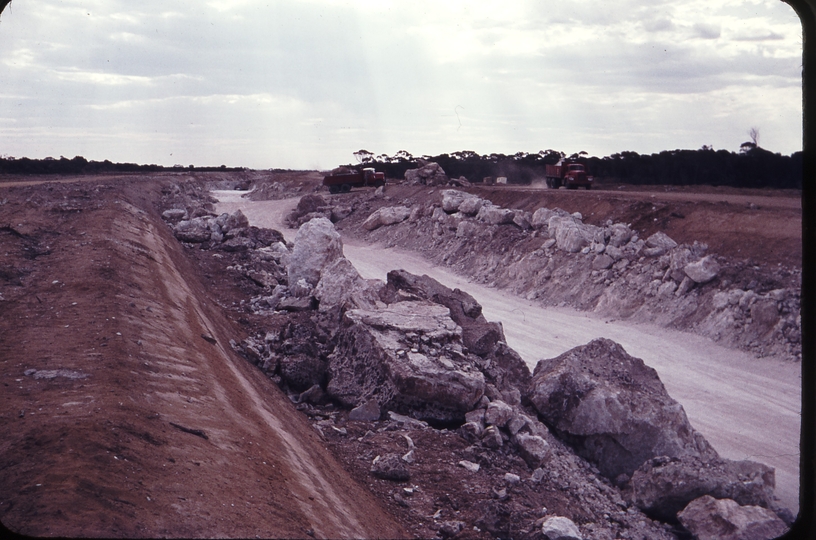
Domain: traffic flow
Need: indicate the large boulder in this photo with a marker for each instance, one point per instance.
(612, 408)
(658, 244)
(431, 175)
(317, 245)
(560, 528)
(192, 230)
(663, 486)
(494, 215)
(470, 206)
(236, 220)
(570, 234)
(708, 518)
(404, 357)
(388, 215)
(174, 215)
(342, 286)
(704, 270)
(619, 234)
(506, 369)
(452, 199)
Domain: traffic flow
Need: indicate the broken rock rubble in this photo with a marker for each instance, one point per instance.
(555, 256)
(423, 350)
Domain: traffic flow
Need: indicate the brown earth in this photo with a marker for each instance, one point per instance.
(125, 412)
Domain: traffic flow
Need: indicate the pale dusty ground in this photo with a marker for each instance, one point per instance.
(747, 408)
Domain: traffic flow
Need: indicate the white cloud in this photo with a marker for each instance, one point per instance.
(293, 83)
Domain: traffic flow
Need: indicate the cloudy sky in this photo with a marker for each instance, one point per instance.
(303, 84)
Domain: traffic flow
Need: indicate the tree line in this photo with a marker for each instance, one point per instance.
(80, 165)
(752, 166)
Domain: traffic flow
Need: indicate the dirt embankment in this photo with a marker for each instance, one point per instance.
(125, 412)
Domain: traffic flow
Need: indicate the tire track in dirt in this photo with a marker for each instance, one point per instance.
(332, 513)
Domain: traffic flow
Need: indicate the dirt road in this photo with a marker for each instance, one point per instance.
(747, 408)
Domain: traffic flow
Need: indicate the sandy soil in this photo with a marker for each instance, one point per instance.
(125, 411)
(748, 408)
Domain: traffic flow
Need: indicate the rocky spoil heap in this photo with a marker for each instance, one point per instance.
(556, 257)
(429, 174)
(405, 349)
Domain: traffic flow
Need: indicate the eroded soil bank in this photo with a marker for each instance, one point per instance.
(125, 412)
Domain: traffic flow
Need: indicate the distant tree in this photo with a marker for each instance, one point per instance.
(753, 133)
(364, 156)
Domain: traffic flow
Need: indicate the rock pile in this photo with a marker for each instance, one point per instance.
(555, 257)
(412, 357)
(429, 174)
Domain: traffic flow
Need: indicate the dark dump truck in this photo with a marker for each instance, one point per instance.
(567, 173)
(342, 180)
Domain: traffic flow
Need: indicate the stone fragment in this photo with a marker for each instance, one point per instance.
(704, 270)
(452, 199)
(541, 218)
(476, 415)
(661, 240)
(494, 215)
(367, 412)
(236, 220)
(317, 244)
(560, 528)
(388, 215)
(708, 518)
(619, 234)
(615, 252)
(193, 230)
(471, 431)
(469, 465)
(301, 371)
(522, 221)
(470, 206)
(498, 413)
(570, 234)
(667, 289)
(448, 529)
(532, 448)
(685, 286)
(602, 262)
(511, 479)
(295, 304)
(491, 438)
(174, 215)
(391, 467)
(342, 286)
(663, 486)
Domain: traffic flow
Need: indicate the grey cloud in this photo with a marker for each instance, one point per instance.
(707, 31)
(770, 36)
(657, 25)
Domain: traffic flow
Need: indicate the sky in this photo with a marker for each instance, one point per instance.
(304, 84)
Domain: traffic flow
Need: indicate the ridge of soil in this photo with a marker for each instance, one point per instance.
(126, 413)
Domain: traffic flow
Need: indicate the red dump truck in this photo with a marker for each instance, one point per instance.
(567, 173)
(343, 180)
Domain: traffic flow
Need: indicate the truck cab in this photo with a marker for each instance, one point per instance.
(567, 173)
